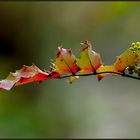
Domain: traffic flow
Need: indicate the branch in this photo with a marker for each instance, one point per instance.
(109, 72)
(89, 61)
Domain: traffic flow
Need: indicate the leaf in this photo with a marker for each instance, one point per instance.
(107, 68)
(65, 61)
(26, 74)
(128, 58)
(72, 78)
(89, 60)
(29, 74)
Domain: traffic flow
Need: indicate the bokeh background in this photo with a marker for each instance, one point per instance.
(30, 33)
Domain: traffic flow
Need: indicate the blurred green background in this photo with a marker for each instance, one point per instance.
(30, 33)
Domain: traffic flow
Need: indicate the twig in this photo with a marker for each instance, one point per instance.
(109, 72)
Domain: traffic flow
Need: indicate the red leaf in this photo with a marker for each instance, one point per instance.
(26, 74)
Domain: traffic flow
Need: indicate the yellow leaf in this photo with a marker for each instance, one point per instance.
(65, 61)
(107, 68)
(89, 60)
(72, 78)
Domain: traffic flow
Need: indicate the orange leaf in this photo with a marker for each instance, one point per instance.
(65, 61)
(128, 58)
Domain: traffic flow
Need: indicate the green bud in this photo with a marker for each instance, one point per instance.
(138, 44)
(133, 44)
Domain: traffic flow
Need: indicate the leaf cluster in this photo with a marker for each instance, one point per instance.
(67, 65)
